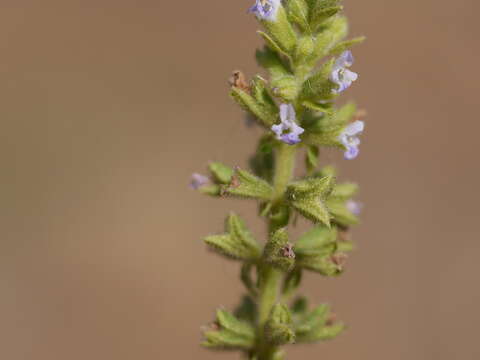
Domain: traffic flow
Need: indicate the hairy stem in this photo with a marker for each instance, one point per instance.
(270, 278)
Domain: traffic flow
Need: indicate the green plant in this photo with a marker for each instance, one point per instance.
(296, 109)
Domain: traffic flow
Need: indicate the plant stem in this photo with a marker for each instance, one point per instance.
(269, 277)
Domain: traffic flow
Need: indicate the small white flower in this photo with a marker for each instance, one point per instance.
(349, 139)
(340, 74)
(288, 130)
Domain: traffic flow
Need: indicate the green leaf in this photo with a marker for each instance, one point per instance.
(346, 45)
(248, 103)
(344, 191)
(272, 44)
(247, 185)
(340, 118)
(340, 213)
(320, 14)
(212, 190)
(231, 323)
(237, 243)
(278, 252)
(261, 93)
(308, 196)
(316, 240)
(226, 340)
(281, 31)
(323, 108)
(316, 318)
(322, 264)
(318, 87)
(297, 11)
(221, 173)
(278, 329)
(327, 129)
(271, 61)
(323, 333)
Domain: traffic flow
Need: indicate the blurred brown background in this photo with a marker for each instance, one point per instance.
(107, 107)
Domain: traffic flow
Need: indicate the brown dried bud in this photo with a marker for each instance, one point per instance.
(287, 251)
(237, 80)
(339, 259)
(331, 319)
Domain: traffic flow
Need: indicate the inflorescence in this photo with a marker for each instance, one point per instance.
(307, 59)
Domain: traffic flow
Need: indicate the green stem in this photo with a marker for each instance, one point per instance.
(285, 163)
(269, 277)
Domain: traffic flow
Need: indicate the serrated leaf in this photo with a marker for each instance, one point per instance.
(313, 210)
(321, 264)
(316, 239)
(212, 190)
(310, 188)
(308, 196)
(221, 173)
(314, 319)
(248, 103)
(323, 333)
(237, 243)
(229, 322)
(226, 340)
(247, 185)
(344, 191)
(340, 213)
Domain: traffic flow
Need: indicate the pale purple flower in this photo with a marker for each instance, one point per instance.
(349, 139)
(288, 131)
(198, 180)
(340, 74)
(266, 9)
(354, 207)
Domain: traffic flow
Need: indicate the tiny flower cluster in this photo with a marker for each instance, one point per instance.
(288, 130)
(340, 75)
(266, 9)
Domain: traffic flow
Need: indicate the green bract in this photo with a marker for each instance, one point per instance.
(305, 58)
